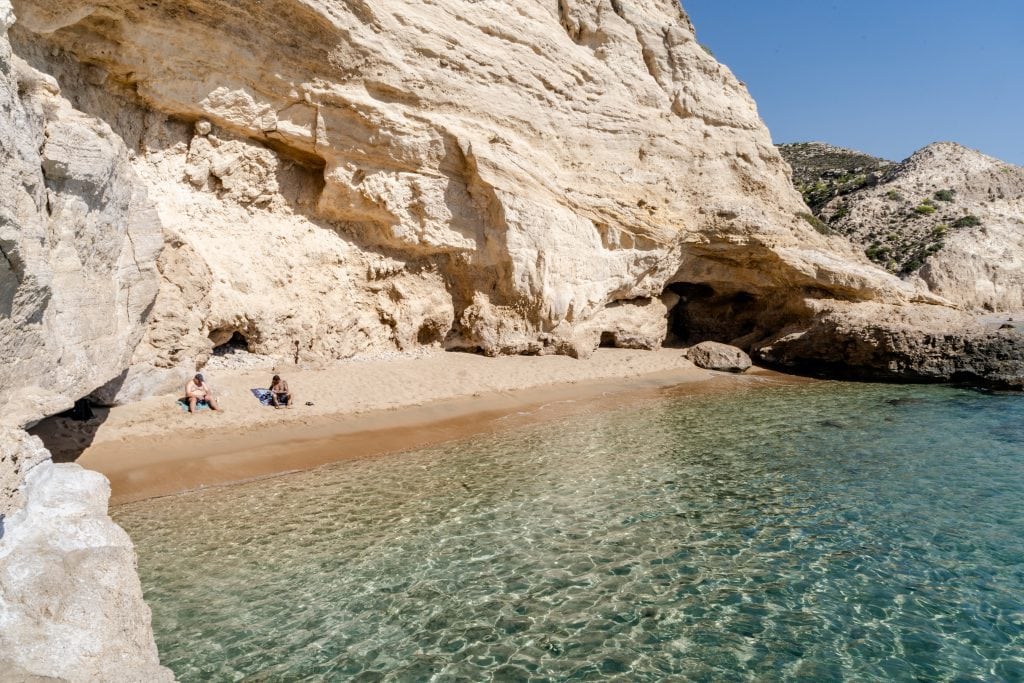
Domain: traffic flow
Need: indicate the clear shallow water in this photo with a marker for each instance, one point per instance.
(818, 532)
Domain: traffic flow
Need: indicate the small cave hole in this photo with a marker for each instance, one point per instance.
(429, 333)
(67, 435)
(225, 344)
(607, 340)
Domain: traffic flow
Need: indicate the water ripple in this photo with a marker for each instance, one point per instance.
(820, 532)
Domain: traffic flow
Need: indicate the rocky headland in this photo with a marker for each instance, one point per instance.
(949, 217)
(319, 180)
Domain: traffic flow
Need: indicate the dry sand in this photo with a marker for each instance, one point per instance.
(360, 408)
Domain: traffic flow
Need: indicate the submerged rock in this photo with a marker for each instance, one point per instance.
(715, 356)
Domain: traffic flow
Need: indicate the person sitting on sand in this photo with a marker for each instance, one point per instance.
(197, 390)
(279, 392)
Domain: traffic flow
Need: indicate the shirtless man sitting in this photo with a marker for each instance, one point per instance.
(279, 392)
(197, 390)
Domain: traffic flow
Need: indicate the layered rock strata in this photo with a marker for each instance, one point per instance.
(79, 241)
(882, 342)
(333, 178)
(508, 180)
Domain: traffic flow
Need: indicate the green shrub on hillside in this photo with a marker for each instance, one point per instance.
(815, 222)
(910, 266)
(877, 253)
(967, 222)
(894, 196)
(924, 209)
(945, 195)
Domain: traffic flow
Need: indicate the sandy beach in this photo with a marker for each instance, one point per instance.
(360, 408)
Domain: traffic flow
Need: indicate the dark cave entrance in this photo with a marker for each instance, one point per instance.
(228, 341)
(430, 332)
(67, 435)
(706, 314)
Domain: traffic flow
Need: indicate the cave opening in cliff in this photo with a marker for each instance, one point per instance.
(430, 332)
(228, 341)
(607, 340)
(706, 314)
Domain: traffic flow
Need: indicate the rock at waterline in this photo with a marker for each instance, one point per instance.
(715, 356)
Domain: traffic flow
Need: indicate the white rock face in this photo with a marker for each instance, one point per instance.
(79, 241)
(70, 603)
(19, 453)
(513, 179)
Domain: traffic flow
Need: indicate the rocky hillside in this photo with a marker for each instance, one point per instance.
(948, 216)
(822, 171)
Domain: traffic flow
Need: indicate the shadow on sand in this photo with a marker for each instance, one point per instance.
(68, 434)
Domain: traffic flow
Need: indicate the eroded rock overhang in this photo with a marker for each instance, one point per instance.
(526, 180)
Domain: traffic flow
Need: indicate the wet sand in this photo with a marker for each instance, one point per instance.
(151, 448)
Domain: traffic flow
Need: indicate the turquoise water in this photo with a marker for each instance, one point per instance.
(813, 532)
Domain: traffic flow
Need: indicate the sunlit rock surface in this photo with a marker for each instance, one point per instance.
(315, 180)
(524, 179)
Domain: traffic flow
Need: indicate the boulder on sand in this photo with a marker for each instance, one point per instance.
(715, 356)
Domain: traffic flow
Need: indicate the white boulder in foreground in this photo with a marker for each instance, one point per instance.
(715, 356)
(70, 603)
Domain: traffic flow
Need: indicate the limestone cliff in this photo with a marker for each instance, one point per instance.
(338, 178)
(328, 178)
(79, 241)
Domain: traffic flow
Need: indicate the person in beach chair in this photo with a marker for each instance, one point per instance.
(197, 390)
(279, 392)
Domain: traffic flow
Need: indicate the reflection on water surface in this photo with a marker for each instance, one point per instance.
(814, 532)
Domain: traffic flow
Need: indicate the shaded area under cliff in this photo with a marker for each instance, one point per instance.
(736, 317)
(67, 435)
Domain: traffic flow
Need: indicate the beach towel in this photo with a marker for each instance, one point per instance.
(262, 395)
(200, 405)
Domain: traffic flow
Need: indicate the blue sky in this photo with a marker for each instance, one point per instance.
(883, 76)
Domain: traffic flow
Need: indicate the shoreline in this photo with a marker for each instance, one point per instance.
(147, 451)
